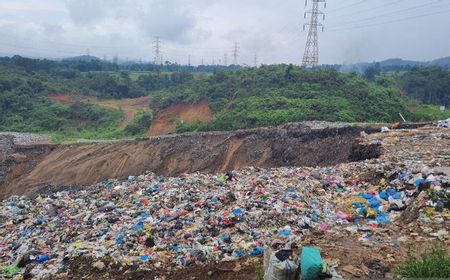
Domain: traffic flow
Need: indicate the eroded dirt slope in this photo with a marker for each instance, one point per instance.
(164, 121)
(299, 144)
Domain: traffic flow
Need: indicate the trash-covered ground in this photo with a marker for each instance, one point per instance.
(364, 217)
(21, 138)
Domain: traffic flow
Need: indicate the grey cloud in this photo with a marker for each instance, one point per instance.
(208, 28)
(166, 18)
(90, 11)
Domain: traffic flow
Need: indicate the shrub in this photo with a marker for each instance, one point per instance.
(435, 264)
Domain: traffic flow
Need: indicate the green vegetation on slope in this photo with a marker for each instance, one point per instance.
(431, 85)
(26, 83)
(245, 98)
(273, 95)
(140, 124)
(65, 77)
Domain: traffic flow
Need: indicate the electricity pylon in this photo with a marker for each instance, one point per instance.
(311, 55)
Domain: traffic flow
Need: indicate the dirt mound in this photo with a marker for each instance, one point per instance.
(300, 144)
(164, 121)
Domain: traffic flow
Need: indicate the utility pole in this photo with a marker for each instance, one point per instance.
(225, 59)
(157, 49)
(189, 60)
(256, 60)
(235, 53)
(311, 55)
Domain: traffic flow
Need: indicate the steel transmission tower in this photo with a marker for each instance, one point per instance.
(235, 53)
(157, 49)
(311, 56)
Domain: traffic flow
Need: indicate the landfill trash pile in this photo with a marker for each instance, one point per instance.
(21, 138)
(153, 222)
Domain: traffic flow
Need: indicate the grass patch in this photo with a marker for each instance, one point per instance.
(423, 112)
(434, 264)
(259, 271)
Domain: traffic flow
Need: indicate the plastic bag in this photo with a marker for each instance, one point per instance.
(276, 269)
(311, 263)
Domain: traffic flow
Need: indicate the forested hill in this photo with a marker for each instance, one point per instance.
(91, 64)
(430, 85)
(239, 98)
(272, 95)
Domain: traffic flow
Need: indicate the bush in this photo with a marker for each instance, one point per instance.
(140, 124)
(435, 264)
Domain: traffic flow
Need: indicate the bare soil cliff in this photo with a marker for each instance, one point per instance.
(31, 169)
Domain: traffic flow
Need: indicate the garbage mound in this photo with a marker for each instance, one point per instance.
(153, 222)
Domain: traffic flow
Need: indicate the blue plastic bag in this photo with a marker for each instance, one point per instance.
(311, 263)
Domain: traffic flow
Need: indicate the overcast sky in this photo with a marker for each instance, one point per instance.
(355, 30)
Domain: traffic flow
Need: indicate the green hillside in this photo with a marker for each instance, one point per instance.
(240, 98)
(277, 94)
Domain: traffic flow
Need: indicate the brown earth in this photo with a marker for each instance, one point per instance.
(298, 144)
(243, 269)
(164, 121)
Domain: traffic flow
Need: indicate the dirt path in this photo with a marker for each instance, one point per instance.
(130, 106)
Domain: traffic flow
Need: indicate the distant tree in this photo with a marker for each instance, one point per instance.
(431, 85)
(371, 72)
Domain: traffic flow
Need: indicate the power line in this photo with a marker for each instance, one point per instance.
(392, 21)
(391, 3)
(387, 14)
